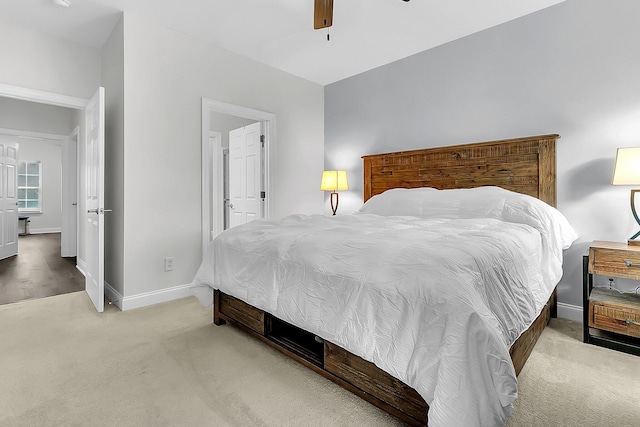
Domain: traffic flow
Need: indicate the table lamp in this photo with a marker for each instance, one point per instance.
(334, 181)
(627, 172)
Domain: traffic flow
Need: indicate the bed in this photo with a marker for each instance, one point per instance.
(315, 287)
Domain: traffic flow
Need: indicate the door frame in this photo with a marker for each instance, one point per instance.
(211, 158)
(70, 225)
(42, 97)
(69, 229)
(50, 98)
(216, 175)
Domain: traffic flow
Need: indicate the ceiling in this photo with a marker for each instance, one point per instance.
(365, 33)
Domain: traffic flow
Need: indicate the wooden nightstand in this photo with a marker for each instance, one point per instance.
(611, 319)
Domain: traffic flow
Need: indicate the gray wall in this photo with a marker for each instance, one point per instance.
(571, 69)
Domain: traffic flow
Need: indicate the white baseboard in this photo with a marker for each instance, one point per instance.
(145, 299)
(155, 297)
(570, 312)
(81, 266)
(45, 230)
(113, 295)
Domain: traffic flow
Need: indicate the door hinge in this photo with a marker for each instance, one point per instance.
(262, 140)
(263, 194)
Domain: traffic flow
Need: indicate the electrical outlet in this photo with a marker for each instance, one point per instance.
(168, 264)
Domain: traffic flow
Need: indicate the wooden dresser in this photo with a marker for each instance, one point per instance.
(611, 318)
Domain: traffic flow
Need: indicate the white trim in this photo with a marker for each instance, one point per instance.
(210, 156)
(217, 192)
(113, 295)
(42, 97)
(81, 267)
(32, 135)
(155, 297)
(570, 312)
(45, 230)
(269, 119)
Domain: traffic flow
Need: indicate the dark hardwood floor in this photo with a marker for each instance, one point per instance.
(38, 270)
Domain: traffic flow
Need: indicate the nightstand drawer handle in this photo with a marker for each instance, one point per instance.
(631, 322)
(631, 264)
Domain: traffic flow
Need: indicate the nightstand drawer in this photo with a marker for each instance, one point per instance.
(614, 312)
(618, 261)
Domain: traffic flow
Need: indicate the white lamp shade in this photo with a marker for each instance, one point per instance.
(334, 181)
(627, 168)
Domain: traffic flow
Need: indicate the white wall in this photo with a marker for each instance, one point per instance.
(224, 123)
(166, 76)
(155, 79)
(48, 119)
(112, 79)
(35, 60)
(569, 69)
(34, 117)
(49, 153)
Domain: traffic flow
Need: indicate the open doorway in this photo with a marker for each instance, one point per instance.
(218, 120)
(44, 263)
(237, 141)
(46, 132)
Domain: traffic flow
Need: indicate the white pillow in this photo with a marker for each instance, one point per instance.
(398, 202)
(480, 202)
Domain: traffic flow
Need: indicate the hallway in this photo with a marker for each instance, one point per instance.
(38, 270)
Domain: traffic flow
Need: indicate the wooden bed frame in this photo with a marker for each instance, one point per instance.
(524, 165)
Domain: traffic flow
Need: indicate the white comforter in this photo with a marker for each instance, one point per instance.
(434, 302)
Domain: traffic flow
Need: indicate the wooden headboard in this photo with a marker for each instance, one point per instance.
(525, 165)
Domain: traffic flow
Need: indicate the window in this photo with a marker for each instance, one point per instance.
(30, 186)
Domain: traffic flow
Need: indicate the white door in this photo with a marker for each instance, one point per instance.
(245, 174)
(8, 197)
(94, 199)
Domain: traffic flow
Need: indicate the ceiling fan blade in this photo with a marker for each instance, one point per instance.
(322, 14)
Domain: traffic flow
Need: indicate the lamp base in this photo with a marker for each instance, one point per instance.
(334, 206)
(632, 240)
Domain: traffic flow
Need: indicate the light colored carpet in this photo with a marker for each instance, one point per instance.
(61, 363)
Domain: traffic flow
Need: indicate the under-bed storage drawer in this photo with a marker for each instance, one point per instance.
(244, 313)
(376, 382)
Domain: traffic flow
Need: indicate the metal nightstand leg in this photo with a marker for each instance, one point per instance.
(587, 284)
